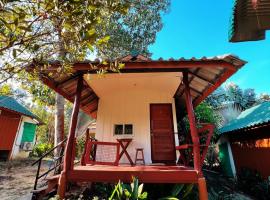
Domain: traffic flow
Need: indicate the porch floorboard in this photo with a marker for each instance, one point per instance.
(145, 174)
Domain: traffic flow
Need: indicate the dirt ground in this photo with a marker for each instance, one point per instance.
(16, 179)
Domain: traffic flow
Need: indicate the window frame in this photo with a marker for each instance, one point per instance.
(124, 134)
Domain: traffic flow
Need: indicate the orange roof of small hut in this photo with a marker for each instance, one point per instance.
(205, 75)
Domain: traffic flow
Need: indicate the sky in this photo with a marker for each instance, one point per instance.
(195, 28)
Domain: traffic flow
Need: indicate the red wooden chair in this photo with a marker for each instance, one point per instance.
(186, 150)
(101, 153)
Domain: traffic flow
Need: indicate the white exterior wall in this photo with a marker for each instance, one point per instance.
(17, 142)
(126, 103)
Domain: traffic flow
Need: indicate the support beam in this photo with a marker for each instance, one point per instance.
(68, 80)
(192, 122)
(89, 100)
(195, 90)
(210, 89)
(201, 77)
(191, 79)
(85, 97)
(68, 161)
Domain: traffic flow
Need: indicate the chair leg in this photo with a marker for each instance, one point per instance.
(143, 158)
(203, 195)
(141, 154)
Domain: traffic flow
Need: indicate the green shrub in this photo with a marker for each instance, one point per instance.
(41, 149)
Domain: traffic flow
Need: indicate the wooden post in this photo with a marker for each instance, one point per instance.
(85, 147)
(68, 159)
(203, 195)
(192, 123)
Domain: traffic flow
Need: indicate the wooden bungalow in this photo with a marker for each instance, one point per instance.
(138, 109)
(245, 141)
(17, 129)
(250, 20)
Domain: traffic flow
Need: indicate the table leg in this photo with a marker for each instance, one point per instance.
(124, 151)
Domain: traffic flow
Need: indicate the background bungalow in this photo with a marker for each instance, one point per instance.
(245, 141)
(17, 129)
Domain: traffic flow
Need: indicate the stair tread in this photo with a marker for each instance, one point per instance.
(53, 177)
(40, 189)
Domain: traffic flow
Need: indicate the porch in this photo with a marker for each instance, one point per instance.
(193, 80)
(144, 173)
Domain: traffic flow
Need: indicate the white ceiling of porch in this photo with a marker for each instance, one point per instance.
(107, 84)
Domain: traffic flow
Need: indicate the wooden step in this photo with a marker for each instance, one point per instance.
(40, 190)
(54, 177)
(52, 182)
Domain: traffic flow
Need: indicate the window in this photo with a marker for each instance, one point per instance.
(118, 129)
(123, 129)
(128, 129)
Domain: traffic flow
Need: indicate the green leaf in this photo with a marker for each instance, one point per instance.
(28, 29)
(177, 189)
(127, 193)
(36, 47)
(91, 32)
(14, 53)
(90, 47)
(106, 38)
(16, 21)
(143, 196)
(135, 188)
(140, 188)
(121, 65)
(188, 190)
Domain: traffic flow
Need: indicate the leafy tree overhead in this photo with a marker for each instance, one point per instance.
(40, 31)
(134, 30)
(45, 30)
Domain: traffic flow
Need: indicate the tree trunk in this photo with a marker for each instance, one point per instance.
(59, 121)
(59, 100)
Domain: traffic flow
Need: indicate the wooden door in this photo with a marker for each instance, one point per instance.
(162, 133)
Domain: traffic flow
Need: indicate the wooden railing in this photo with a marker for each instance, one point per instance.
(58, 161)
(87, 139)
(205, 134)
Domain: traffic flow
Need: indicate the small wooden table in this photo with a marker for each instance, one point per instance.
(124, 143)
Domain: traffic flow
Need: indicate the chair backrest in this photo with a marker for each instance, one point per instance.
(102, 153)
